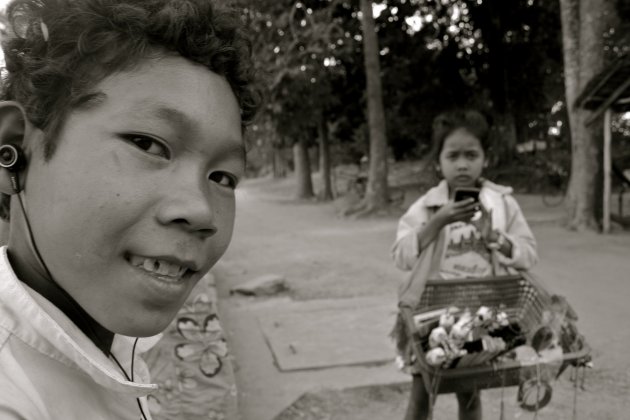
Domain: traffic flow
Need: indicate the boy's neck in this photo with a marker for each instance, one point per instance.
(49, 289)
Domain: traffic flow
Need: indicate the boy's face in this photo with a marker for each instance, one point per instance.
(137, 202)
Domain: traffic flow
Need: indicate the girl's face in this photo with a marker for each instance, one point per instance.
(462, 159)
(137, 202)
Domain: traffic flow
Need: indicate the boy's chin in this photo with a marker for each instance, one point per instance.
(148, 328)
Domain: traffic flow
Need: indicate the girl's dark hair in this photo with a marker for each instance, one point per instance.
(468, 119)
(57, 50)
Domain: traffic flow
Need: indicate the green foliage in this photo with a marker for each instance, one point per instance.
(299, 47)
(496, 55)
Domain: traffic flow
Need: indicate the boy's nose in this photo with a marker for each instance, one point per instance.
(190, 210)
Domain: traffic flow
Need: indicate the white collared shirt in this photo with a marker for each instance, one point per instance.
(50, 370)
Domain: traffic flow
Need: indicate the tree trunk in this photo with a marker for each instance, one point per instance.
(504, 137)
(504, 122)
(302, 170)
(583, 26)
(376, 196)
(278, 163)
(324, 159)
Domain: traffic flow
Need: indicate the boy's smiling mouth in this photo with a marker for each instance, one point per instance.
(170, 269)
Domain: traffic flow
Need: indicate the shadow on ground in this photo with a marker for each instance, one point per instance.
(384, 402)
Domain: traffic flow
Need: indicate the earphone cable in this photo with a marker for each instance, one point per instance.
(15, 183)
(133, 358)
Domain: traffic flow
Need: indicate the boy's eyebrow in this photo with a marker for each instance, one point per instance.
(162, 111)
(185, 124)
(89, 100)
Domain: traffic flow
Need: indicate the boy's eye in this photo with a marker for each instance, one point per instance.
(148, 144)
(224, 179)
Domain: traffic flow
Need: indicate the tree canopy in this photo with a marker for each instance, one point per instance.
(504, 58)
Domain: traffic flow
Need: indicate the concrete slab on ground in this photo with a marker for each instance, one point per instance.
(312, 337)
(264, 390)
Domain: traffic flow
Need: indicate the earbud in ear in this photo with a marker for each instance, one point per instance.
(12, 158)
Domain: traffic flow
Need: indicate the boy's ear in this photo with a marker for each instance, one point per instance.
(13, 130)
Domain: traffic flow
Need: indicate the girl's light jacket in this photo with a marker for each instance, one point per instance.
(506, 217)
(49, 370)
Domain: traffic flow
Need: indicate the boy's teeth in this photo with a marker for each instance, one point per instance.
(163, 268)
(150, 264)
(173, 270)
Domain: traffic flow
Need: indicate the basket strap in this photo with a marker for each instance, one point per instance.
(494, 262)
(410, 292)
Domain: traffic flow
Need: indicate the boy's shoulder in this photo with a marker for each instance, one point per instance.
(5, 334)
(15, 400)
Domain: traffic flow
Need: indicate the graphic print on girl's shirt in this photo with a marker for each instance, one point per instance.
(466, 254)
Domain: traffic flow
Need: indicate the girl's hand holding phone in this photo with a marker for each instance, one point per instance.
(457, 211)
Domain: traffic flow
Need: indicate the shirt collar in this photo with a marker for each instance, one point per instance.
(38, 323)
(438, 195)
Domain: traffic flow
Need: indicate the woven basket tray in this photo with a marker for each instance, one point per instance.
(524, 301)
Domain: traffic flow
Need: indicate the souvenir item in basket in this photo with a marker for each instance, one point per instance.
(468, 340)
(534, 394)
(436, 356)
(438, 337)
(462, 328)
(447, 319)
(485, 343)
(483, 317)
(562, 319)
(543, 339)
(511, 333)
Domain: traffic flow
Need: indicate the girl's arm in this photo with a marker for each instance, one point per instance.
(522, 253)
(420, 226)
(429, 232)
(406, 248)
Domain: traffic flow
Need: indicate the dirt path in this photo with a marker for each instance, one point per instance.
(324, 256)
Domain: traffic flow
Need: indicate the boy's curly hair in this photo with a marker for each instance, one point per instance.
(59, 48)
(56, 50)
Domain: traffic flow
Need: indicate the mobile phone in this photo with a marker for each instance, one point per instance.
(465, 193)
